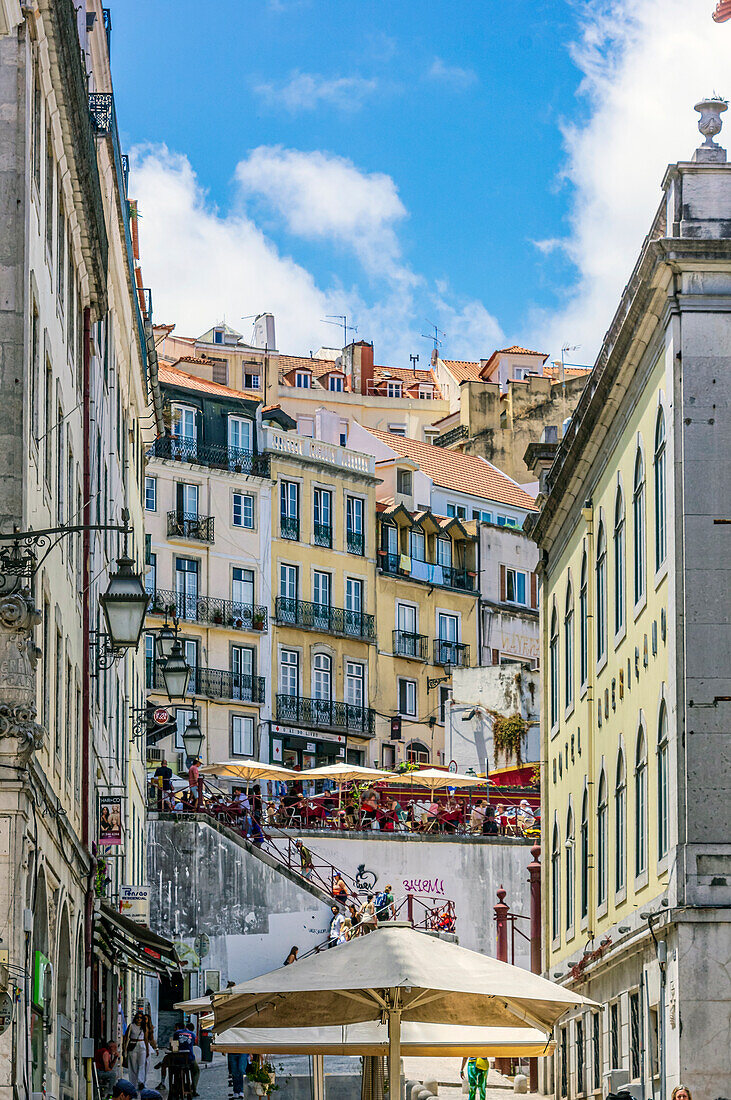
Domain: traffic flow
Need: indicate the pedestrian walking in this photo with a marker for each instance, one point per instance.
(237, 1064)
(340, 887)
(135, 1050)
(680, 1092)
(306, 864)
(385, 905)
(477, 1069)
(367, 914)
(335, 925)
(292, 956)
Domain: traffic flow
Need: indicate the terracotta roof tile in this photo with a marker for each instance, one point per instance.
(460, 472)
(515, 349)
(463, 370)
(554, 371)
(174, 377)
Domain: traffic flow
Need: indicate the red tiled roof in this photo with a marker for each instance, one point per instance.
(174, 377)
(515, 349)
(554, 371)
(463, 370)
(460, 472)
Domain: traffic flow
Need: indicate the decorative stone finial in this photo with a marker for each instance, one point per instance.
(710, 124)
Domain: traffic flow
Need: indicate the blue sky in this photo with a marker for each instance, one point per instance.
(400, 161)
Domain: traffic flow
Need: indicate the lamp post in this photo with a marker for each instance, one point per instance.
(124, 605)
(192, 743)
(166, 636)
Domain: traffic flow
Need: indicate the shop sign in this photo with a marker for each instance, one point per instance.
(311, 746)
(42, 973)
(201, 945)
(278, 730)
(134, 902)
(110, 819)
(276, 750)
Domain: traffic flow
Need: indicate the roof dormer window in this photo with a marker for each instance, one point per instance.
(426, 392)
(218, 336)
(303, 380)
(335, 383)
(394, 389)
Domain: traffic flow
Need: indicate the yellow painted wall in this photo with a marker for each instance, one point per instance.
(577, 748)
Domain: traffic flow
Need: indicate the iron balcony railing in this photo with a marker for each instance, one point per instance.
(215, 683)
(326, 712)
(442, 576)
(452, 436)
(410, 645)
(327, 619)
(456, 654)
(206, 609)
(189, 525)
(290, 527)
(216, 456)
(356, 543)
(323, 534)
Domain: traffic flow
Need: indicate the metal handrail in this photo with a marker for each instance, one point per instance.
(322, 534)
(189, 525)
(325, 618)
(208, 609)
(355, 543)
(289, 527)
(451, 576)
(214, 455)
(410, 645)
(216, 683)
(326, 712)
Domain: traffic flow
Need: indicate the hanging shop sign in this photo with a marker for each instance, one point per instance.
(134, 902)
(279, 730)
(6, 1011)
(110, 819)
(201, 945)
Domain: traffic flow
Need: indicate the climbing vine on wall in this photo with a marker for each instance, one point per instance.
(508, 734)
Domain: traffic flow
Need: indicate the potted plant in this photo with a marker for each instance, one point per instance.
(258, 620)
(262, 1076)
(217, 617)
(238, 624)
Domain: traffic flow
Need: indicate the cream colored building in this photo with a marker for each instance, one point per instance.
(635, 653)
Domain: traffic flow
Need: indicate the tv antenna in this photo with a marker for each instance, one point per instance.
(434, 336)
(414, 360)
(340, 320)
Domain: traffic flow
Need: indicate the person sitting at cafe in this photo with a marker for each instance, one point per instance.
(477, 817)
(490, 825)
(106, 1058)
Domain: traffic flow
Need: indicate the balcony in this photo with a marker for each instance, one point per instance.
(326, 619)
(188, 525)
(215, 683)
(355, 541)
(216, 456)
(452, 436)
(443, 576)
(453, 654)
(286, 443)
(320, 713)
(415, 646)
(323, 534)
(204, 609)
(289, 527)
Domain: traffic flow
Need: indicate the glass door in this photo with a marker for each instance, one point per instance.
(406, 626)
(353, 606)
(186, 588)
(242, 673)
(321, 585)
(288, 593)
(448, 638)
(242, 593)
(322, 689)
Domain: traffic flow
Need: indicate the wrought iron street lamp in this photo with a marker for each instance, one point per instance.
(166, 636)
(124, 604)
(193, 740)
(175, 672)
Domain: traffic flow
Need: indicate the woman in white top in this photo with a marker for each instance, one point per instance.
(367, 913)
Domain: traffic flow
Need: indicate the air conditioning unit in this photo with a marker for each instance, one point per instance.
(155, 756)
(616, 1080)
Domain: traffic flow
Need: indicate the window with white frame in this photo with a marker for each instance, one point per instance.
(150, 493)
(184, 422)
(482, 516)
(620, 826)
(343, 433)
(516, 586)
(242, 735)
(641, 804)
(404, 482)
(584, 621)
(394, 389)
(426, 392)
(417, 544)
(407, 697)
(303, 380)
(336, 383)
(183, 717)
(568, 646)
(322, 677)
(354, 683)
(251, 381)
(618, 561)
(601, 594)
(661, 536)
(243, 510)
(584, 855)
(306, 426)
(556, 883)
(553, 654)
(289, 668)
(444, 697)
(570, 871)
(240, 433)
(662, 784)
(638, 515)
(602, 842)
(397, 429)
(242, 588)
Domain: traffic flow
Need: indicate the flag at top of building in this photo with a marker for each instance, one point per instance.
(723, 11)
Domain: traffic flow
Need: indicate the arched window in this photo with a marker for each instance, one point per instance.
(554, 669)
(601, 593)
(585, 855)
(417, 753)
(601, 845)
(661, 535)
(556, 884)
(662, 783)
(583, 621)
(570, 869)
(619, 561)
(620, 825)
(568, 645)
(641, 804)
(638, 515)
(322, 688)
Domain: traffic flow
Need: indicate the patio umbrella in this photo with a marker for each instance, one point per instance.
(434, 779)
(249, 770)
(395, 974)
(345, 773)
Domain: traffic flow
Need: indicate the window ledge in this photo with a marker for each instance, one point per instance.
(661, 573)
(620, 636)
(570, 933)
(569, 711)
(602, 663)
(641, 881)
(555, 730)
(602, 910)
(662, 864)
(640, 606)
(620, 896)
(583, 689)
(584, 923)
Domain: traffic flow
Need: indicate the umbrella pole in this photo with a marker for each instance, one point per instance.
(318, 1076)
(394, 1054)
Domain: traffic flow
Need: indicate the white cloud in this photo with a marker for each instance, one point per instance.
(323, 197)
(203, 263)
(453, 75)
(645, 63)
(308, 91)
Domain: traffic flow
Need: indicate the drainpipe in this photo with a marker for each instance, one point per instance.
(86, 671)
